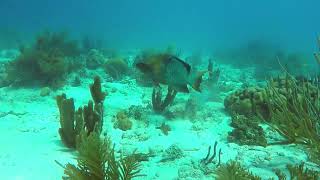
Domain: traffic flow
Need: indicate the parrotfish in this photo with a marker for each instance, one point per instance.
(172, 71)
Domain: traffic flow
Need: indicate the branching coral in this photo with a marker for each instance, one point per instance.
(295, 114)
(160, 105)
(97, 161)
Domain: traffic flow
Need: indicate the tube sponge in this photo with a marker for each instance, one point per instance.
(71, 121)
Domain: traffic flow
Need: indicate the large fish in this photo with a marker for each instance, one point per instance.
(172, 71)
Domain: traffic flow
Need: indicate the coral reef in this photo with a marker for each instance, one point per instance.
(116, 67)
(289, 105)
(249, 102)
(94, 59)
(122, 121)
(160, 105)
(93, 117)
(88, 119)
(295, 113)
(253, 101)
(71, 121)
(138, 113)
(246, 131)
(97, 161)
(45, 61)
(233, 170)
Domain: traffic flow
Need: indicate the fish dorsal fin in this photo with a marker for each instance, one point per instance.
(186, 65)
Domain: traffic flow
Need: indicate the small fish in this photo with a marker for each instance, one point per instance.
(172, 71)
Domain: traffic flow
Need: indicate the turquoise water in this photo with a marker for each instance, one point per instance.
(180, 90)
(188, 24)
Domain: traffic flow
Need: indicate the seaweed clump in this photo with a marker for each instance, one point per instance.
(88, 119)
(247, 131)
(234, 171)
(45, 61)
(117, 68)
(97, 161)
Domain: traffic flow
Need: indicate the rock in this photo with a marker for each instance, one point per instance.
(172, 153)
(45, 91)
(122, 121)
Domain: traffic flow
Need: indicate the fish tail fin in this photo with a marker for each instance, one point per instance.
(197, 81)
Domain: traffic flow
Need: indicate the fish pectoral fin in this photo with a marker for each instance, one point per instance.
(181, 88)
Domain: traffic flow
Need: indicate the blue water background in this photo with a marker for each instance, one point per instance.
(187, 24)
